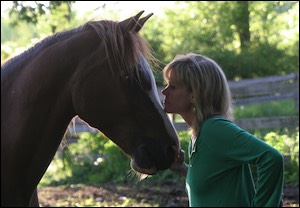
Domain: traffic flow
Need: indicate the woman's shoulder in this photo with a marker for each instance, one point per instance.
(217, 120)
(219, 125)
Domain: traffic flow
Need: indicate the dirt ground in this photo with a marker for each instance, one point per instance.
(130, 195)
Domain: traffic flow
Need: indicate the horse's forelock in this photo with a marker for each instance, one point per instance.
(123, 51)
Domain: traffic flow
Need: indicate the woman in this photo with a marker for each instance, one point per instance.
(220, 152)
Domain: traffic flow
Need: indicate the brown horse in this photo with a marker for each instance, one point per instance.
(98, 71)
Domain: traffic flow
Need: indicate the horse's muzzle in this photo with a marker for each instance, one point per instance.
(147, 162)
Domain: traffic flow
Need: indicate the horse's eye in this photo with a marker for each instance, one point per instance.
(125, 77)
(141, 79)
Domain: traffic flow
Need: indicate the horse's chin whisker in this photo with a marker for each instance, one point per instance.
(140, 176)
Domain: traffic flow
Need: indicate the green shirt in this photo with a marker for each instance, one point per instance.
(219, 172)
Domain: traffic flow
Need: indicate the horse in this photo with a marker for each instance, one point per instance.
(100, 72)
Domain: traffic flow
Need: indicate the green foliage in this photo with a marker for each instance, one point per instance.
(272, 108)
(93, 159)
(263, 60)
(105, 159)
(60, 12)
(288, 145)
(217, 31)
(285, 144)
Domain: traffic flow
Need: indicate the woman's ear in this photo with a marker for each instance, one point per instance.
(192, 98)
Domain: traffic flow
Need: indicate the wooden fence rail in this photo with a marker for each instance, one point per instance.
(245, 92)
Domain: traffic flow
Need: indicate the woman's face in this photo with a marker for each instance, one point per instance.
(178, 99)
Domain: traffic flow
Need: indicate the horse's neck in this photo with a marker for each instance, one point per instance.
(37, 93)
(43, 79)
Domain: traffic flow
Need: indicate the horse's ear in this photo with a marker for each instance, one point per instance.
(134, 23)
(141, 22)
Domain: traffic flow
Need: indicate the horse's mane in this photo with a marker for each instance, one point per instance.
(124, 50)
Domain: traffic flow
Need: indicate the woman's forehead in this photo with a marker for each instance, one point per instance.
(174, 79)
(172, 76)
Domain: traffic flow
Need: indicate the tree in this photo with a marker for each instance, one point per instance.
(57, 12)
(241, 17)
(246, 38)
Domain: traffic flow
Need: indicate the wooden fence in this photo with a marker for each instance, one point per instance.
(245, 92)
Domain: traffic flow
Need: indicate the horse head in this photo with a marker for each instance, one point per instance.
(119, 97)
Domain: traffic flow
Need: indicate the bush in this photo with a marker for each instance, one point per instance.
(95, 159)
(92, 159)
(288, 145)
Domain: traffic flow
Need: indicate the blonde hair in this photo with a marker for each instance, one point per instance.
(207, 81)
